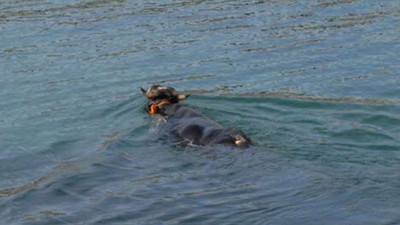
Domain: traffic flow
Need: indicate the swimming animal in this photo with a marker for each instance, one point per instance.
(187, 124)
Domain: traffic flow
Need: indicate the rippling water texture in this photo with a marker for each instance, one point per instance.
(315, 84)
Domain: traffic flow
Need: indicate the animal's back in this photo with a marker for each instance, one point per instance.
(190, 125)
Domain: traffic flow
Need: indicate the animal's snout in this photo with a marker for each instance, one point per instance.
(150, 94)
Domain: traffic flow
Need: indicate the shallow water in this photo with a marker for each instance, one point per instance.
(315, 84)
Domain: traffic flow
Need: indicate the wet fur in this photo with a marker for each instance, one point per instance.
(189, 125)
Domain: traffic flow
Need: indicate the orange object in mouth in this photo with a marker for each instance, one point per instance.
(153, 108)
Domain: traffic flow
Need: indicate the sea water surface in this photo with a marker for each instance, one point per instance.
(315, 84)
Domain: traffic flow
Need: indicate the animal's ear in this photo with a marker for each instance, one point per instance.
(143, 91)
(182, 97)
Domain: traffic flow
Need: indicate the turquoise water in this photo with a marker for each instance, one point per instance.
(315, 84)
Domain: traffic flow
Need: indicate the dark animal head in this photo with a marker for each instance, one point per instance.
(158, 92)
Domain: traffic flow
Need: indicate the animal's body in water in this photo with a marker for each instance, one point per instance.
(187, 124)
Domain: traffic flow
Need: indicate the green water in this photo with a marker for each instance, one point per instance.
(315, 84)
